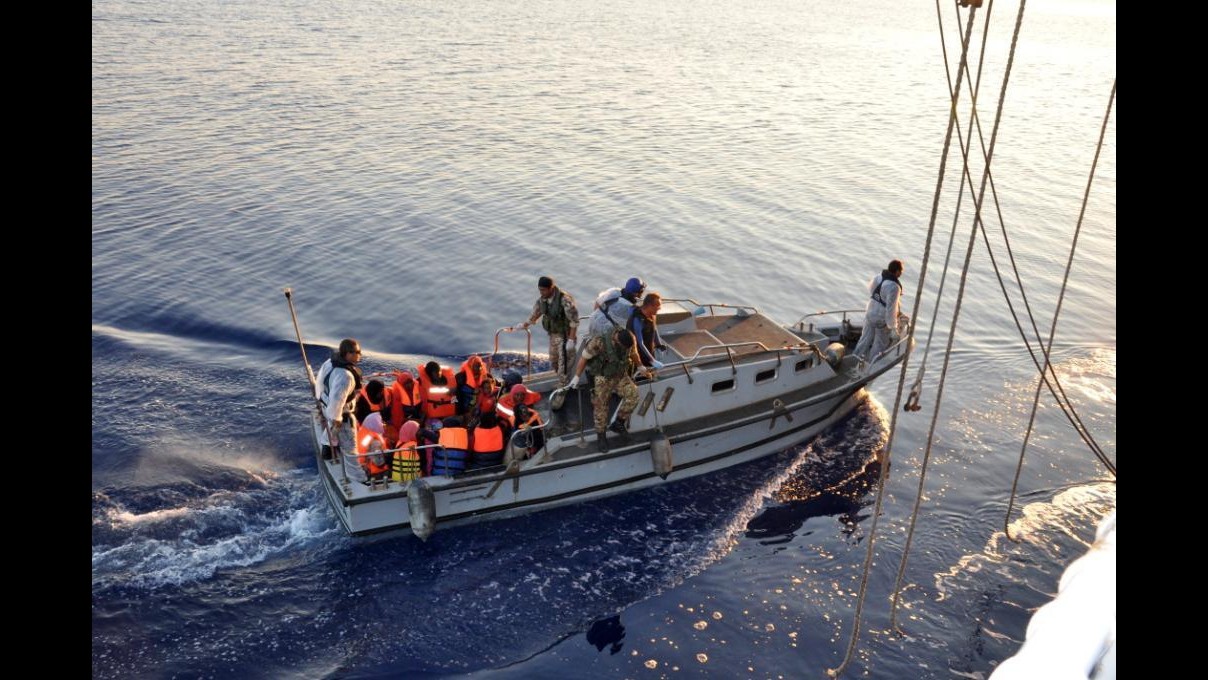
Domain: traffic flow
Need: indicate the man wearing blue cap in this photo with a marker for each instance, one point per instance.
(613, 307)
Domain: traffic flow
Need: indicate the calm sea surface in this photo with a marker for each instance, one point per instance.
(411, 168)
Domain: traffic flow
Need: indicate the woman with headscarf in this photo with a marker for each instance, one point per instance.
(407, 463)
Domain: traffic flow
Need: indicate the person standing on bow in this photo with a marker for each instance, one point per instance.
(560, 318)
(612, 358)
(336, 387)
(645, 329)
(881, 314)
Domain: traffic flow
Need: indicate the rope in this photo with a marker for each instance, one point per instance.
(1062, 400)
(893, 612)
(883, 477)
(1060, 299)
(916, 388)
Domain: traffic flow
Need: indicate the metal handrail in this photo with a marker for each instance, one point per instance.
(345, 457)
(733, 345)
(530, 428)
(800, 323)
(528, 347)
(711, 305)
(895, 347)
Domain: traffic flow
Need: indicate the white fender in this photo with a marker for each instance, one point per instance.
(660, 455)
(421, 503)
(834, 353)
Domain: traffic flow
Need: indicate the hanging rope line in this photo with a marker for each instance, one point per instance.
(977, 205)
(1063, 400)
(883, 478)
(1006, 526)
(916, 388)
(1054, 386)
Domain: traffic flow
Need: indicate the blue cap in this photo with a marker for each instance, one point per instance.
(634, 286)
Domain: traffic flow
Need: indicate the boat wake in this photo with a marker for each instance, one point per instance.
(1048, 533)
(221, 517)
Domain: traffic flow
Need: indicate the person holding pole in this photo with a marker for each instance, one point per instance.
(336, 387)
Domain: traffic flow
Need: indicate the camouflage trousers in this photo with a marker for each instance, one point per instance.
(604, 388)
(557, 359)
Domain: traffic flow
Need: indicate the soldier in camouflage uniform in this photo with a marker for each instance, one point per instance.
(612, 357)
(560, 318)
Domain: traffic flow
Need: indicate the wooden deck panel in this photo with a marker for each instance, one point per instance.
(753, 328)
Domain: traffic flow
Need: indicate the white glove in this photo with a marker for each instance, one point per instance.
(570, 345)
(656, 363)
(574, 383)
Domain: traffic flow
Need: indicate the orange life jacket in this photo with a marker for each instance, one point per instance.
(438, 399)
(452, 458)
(507, 405)
(487, 439)
(372, 406)
(486, 397)
(373, 464)
(405, 400)
(473, 379)
(487, 443)
(455, 438)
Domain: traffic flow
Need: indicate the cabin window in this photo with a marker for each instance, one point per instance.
(804, 364)
(764, 376)
(723, 386)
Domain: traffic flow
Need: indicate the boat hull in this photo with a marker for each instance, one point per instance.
(628, 467)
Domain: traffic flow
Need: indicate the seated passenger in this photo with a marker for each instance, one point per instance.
(426, 436)
(515, 394)
(518, 404)
(454, 439)
(488, 393)
(486, 442)
(405, 398)
(370, 440)
(369, 399)
(469, 379)
(436, 387)
(407, 463)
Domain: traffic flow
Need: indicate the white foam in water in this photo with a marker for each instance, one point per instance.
(810, 453)
(250, 526)
(1035, 528)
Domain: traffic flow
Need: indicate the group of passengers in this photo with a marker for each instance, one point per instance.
(441, 422)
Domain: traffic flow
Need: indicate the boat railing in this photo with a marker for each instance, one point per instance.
(528, 345)
(800, 324)
(526, 431)
(356, 458)
(729, 349)
(895, 349)
(699, 308)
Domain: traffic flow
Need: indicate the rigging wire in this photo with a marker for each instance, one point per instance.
(916, 388)
(1060, 298)
(883, 478)
(977, 205)
(1063, 400)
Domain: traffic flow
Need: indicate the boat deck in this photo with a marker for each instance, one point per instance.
(729, 330)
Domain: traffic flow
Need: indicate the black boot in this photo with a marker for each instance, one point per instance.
(602, 442)
(620, 425)
(326, 452)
